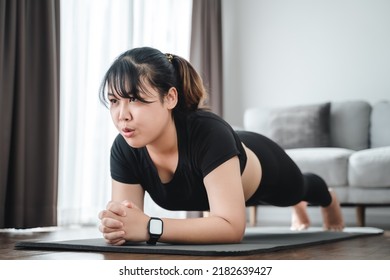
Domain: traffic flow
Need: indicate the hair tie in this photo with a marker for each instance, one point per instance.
(169, 57)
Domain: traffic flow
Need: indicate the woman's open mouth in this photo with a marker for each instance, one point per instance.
(127, 132)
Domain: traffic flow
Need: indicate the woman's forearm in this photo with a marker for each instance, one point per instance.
(208, 230)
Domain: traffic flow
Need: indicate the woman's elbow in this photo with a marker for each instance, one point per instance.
(237, 234)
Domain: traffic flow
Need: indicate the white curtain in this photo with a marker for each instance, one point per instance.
(163, 24)
(93, 34)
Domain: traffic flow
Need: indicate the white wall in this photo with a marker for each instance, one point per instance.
(286, 52)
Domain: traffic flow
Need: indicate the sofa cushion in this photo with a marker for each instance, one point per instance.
(329, 163)
(349, 124)
(293, 126)
(302, 126)
(370, 168)
(380, 129)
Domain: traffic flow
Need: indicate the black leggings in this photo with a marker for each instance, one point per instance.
(282, 183)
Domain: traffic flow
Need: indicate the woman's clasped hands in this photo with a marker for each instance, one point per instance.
(122, 222)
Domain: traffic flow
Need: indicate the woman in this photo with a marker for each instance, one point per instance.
(187, 158)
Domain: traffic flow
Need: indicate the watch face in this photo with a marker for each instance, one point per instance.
(155, 226)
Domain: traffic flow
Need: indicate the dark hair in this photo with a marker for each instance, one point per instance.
(130, 70)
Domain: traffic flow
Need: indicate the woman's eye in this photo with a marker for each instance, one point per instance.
(133, 99)
(113, 101)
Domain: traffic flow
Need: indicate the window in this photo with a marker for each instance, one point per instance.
(93, 34)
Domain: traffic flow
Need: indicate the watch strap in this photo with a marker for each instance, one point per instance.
(152, 240)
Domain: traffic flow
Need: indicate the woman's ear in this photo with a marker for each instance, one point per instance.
(171, 98)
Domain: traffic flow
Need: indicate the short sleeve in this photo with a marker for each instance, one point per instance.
(123, 162)
(214, 142)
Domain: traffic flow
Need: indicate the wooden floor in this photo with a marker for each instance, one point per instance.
(362, 248)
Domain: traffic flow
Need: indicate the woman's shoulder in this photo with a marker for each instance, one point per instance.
(212, 140)
(204, 113)
(204, 126)
(206, 120)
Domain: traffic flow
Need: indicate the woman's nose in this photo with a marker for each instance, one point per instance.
(124, 112)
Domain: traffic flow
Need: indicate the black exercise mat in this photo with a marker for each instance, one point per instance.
(256, 240)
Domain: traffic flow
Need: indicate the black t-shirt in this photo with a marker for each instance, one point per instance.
(205, 141)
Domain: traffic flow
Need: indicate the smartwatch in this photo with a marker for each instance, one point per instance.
(155, 229)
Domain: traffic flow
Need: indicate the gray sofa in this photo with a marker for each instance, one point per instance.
(346, 143)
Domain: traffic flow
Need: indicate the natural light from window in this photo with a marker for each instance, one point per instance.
(93, 34)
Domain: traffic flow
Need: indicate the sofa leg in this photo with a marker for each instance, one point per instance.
(361, 215)
(252, 216)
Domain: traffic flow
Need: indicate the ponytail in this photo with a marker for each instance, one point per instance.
(191, 87)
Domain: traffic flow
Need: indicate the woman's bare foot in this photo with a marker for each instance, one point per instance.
(332, 216)
(300, 220)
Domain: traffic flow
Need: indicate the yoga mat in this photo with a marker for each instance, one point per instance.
(257, 240)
